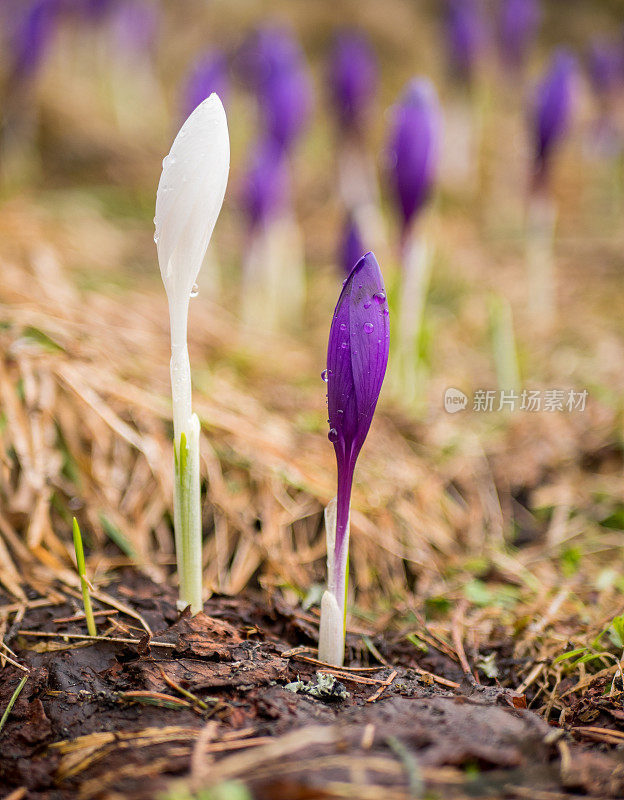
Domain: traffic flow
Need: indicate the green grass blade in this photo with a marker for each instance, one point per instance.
(82, 573)
(14, 697)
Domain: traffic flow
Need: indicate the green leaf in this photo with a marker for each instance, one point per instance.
(616, 631)
(569, 654)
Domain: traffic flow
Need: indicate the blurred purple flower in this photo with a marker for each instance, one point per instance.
(466, 33)
(265, 187)
(352, 79)
(95, 10)
(267, 51)
(357, 356)
(351, 247)
(135, 25)
(286, 103)
(273, 64)
(518, 25)
(604, 65)
(31, 34)
(553, 107)
(414, 147)
(208, 74)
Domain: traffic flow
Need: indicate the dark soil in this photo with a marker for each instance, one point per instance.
(111, 720)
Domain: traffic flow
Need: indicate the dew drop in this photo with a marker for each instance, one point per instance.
(332, 435)
(195, 290)
(368, 327)
(343, 326)
(344, 345)
(367, 304)
(325, 375)
(340, 411)
(156, 238)
(385, 312)
(380, 296)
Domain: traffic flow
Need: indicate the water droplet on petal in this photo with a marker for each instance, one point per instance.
(367, 304)
(380, 296)
(156, 238)
(368, 327)
(195, 290)
(385, 312)
(324, 375)
(332, 435)
(344, 345)
(343, 326)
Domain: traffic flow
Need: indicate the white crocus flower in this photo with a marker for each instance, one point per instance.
(188, 202)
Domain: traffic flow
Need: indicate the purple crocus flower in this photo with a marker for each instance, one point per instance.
(351, 247)
(518, 25)
(552, 108)
(352, 79)
(135, 26)
(604, 66)
(466, 34)
(286, 102)
(31, 36)
(208, 74)
(414, 147)
(273, 64)
(357, 356)
(269, 50)
(265, 186)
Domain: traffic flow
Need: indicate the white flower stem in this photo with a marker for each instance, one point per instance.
(540, 258)
(414, 287)
(187, 501)
(334, 601)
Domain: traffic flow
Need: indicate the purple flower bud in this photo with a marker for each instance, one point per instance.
(266, 52)
(414, 147)
(135, 26)
(604, 66)
(266, 184)
(352, 79)
(553, 107)
(208, 74)
(96, 10)
(466, 34)
(285, 105)
(32, 33)
(272, 62)
(518, 25)
(357, 356)
(351, 247)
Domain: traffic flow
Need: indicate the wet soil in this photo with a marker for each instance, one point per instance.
(123, 720)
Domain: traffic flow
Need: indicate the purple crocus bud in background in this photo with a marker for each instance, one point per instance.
(357, 356)
(208, 74)
(518, 25)
(135, 27)
(552, 108)
(351, 247)
(414, 147)
(265, 185)
(352, 80)
(32, 32)
(466, 35)
(604, 66)
(285, 105)
(272, 63)
(267, 51)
